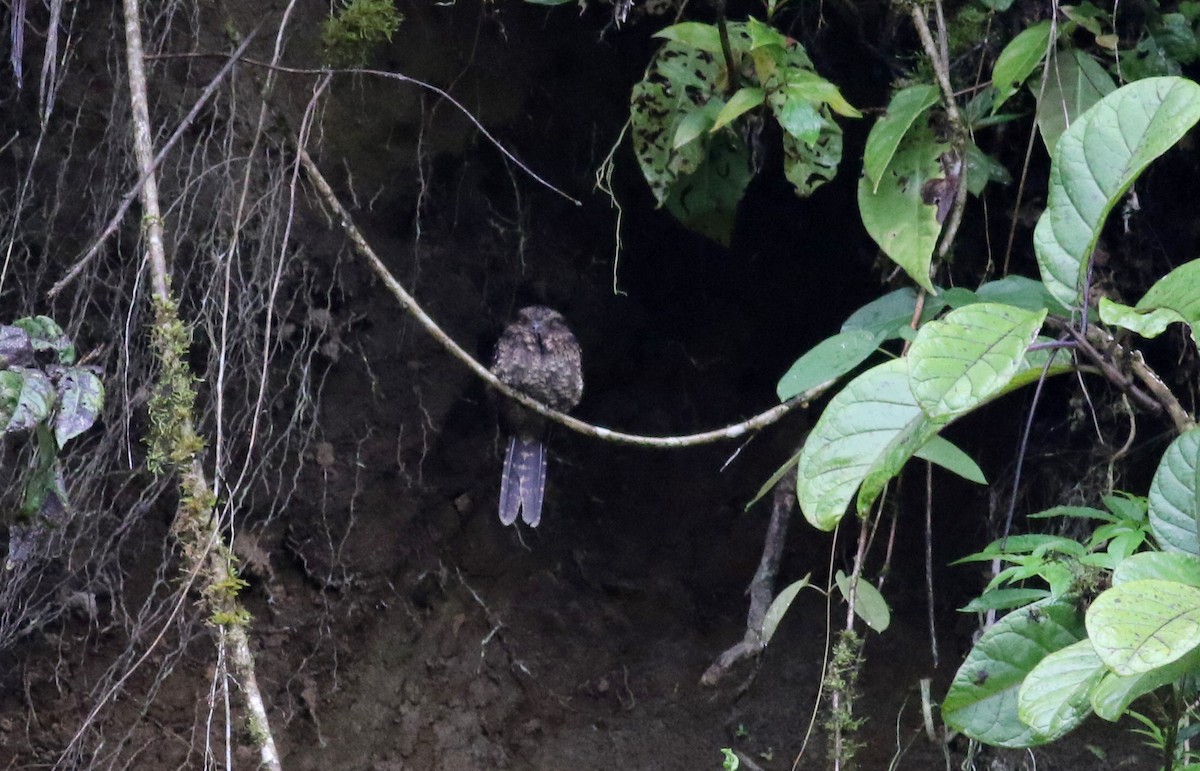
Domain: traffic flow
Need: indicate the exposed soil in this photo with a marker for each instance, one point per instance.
(397, 624)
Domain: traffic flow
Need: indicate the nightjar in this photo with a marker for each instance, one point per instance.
(537, 355)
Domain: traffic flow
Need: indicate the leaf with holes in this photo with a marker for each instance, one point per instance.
(706, 200)
(681, 81)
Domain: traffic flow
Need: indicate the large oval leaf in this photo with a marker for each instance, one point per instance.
(983, 698)
(1173, 506)
(962, 360)
(1096, 161)
(874, 423)
(1056, 695)
(1142, 625)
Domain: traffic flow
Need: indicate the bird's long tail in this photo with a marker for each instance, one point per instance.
(524, 481)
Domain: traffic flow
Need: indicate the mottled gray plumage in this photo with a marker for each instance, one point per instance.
(537, 355)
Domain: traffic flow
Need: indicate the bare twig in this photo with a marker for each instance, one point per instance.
(412, 306)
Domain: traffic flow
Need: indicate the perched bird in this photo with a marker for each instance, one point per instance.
(539, 356)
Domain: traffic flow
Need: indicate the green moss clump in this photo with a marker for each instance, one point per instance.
(173, 442)
(351, 33)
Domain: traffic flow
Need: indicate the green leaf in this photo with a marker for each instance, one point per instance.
(1055, 696)
(808, 165)
(999, 6)
(886, 135)
(799, 117)
(872, 426)
(828, 360)
(779, 607)
(1142, 625)
(80, 398)
(1148, 324)
(706, 200)
(959, 362)
(983, 698)
(886, 315)
(1075, 83)
(1113, 695)
(46, 335)
(1174, 297)
(764, 35)
(810, 87)
(1079, 512)
(1173, 505)
(693, 34)
(982, 169)
(744, 100)
(894, 211)
(1098, 158)
(695, 124)
(1004, 599)
(26, 399)
(948, 456)
(1163, 565)
(1018, 59)
(767, 486)
(1022, 292)
(869, 604)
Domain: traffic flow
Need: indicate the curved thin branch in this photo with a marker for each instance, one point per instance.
(412, 306)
